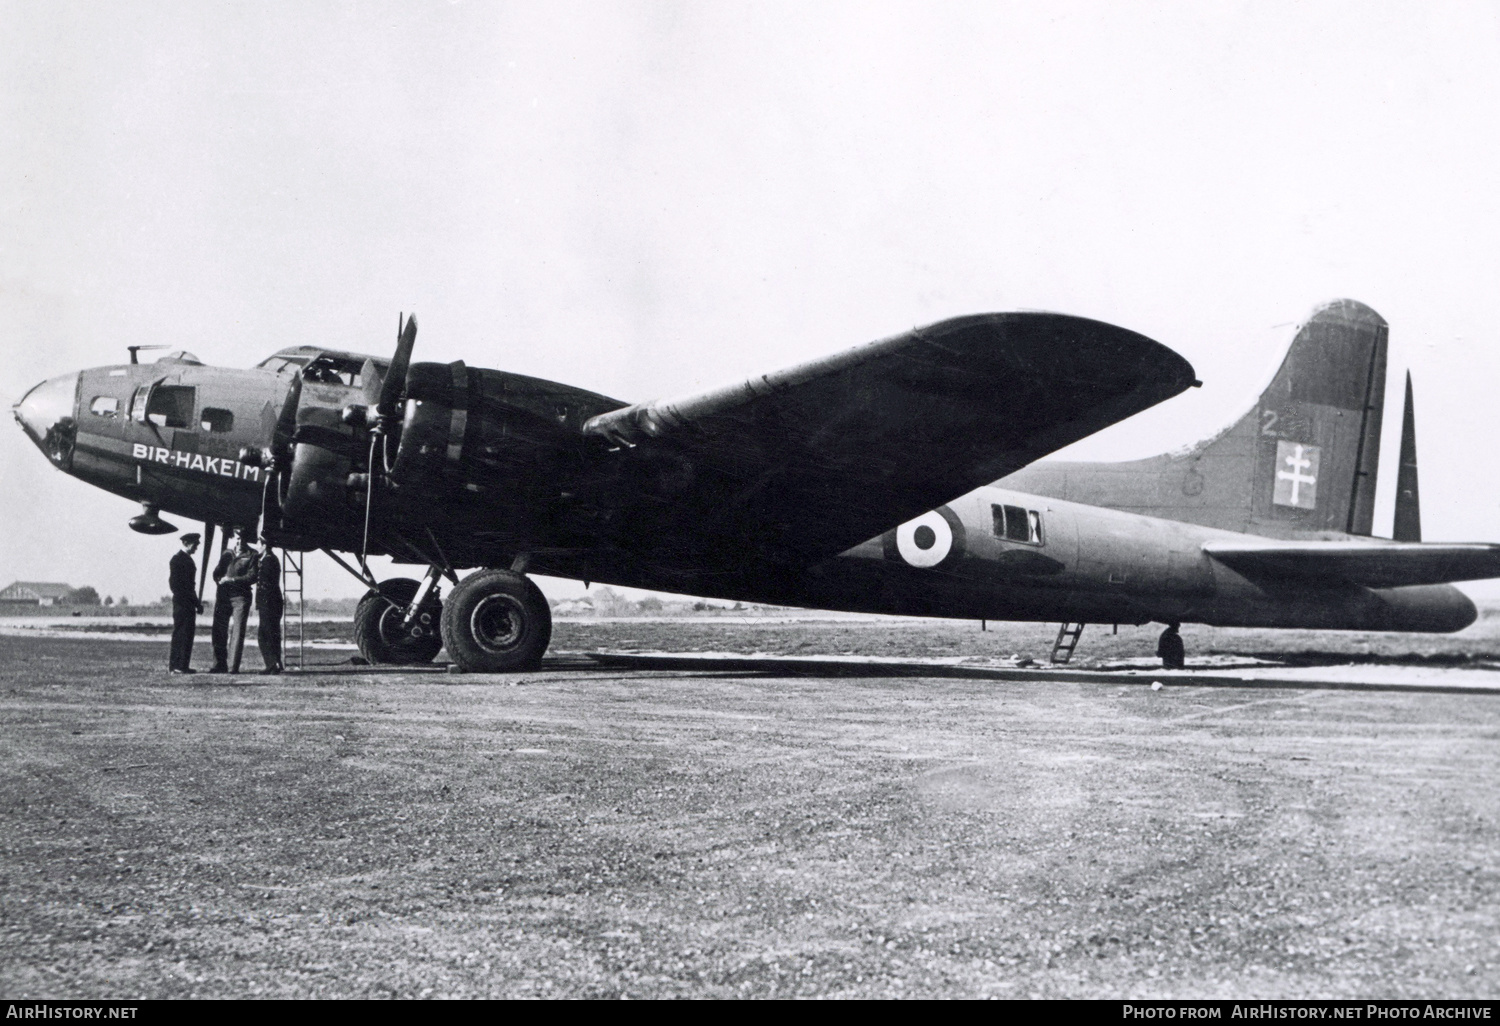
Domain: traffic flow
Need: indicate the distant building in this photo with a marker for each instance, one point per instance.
(35, 593)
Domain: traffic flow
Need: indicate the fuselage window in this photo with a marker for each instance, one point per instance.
(138, 404)
(105, 406)
(171, 406)
(217, 420)
(1016, 524)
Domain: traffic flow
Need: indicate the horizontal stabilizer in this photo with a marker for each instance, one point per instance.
(1373, 564)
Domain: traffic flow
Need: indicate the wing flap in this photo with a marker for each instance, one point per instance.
(805, 462)
(1372, 564)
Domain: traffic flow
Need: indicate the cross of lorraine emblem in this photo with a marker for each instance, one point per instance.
(1296, 475)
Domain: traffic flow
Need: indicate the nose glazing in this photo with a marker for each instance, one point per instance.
(46, 414)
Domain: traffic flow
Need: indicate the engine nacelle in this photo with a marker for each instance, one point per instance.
(436, 423)
(464, 425)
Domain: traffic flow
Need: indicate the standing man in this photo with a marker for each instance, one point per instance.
(220, 631)
(236, 584)
(185, 605)
(268, 609)
(224, 592)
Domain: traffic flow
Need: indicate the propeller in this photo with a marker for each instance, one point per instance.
(323, 452)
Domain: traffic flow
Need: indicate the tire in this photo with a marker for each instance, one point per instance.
(496, 621)
(378, 629)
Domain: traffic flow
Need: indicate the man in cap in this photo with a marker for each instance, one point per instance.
(185, 605)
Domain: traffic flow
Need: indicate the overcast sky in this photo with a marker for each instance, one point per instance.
(647, 198)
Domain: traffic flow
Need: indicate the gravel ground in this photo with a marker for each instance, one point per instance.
(576, 832)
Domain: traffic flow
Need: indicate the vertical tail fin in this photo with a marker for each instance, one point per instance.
(1303, 459)
(1407, 526)
(1318, 443)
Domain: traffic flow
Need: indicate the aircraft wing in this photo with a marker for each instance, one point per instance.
(806, 462)
(1373, 564)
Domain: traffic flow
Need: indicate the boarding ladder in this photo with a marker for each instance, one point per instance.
(291, 589)
(1067, 641)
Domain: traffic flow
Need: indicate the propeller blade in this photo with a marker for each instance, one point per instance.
(371, 382)
(395, 380)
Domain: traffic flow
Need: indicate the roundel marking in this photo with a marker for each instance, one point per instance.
(925, 541)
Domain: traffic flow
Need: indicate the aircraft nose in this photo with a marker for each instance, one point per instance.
(46, 414)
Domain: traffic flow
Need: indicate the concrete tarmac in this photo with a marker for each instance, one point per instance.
(726, 830)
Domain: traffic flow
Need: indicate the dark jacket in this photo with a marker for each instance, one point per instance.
(239, 574)
(183, 570)
(268, 580)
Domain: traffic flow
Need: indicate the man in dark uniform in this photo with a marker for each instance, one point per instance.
(185, 605)
(268, 609)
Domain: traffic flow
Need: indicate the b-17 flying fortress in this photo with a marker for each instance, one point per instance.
(900, 477)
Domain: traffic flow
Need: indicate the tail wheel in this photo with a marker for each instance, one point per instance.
(381, 630)
(496, 621)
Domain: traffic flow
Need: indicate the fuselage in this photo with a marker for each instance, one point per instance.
(1069, 563)
(1081, 563)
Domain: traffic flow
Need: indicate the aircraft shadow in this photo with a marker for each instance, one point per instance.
(834, 667)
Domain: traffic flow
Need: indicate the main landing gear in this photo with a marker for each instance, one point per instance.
(494, 621)
(392, 627)
(497, 621)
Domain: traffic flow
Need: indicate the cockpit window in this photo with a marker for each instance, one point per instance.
(335, 370)
(278, 364)
(171, 405)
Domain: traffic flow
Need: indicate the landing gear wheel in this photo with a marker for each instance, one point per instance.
(1169, 647)
(496, 621)
(382, 636)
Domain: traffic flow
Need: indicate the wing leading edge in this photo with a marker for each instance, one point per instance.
(806, 462)
(1372, 564)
